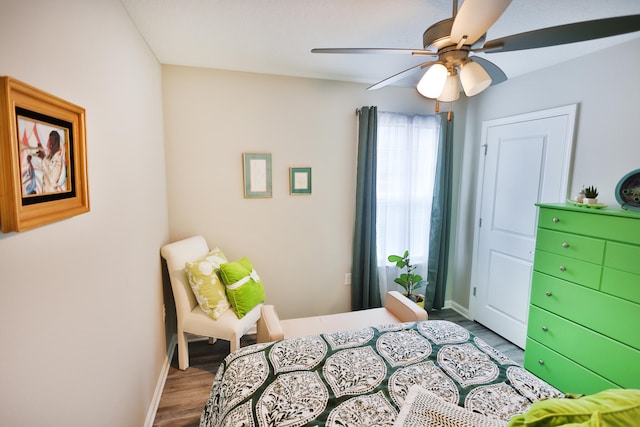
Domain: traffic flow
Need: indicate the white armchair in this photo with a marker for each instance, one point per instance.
(191, 318)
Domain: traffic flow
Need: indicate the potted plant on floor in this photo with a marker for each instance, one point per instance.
(409, 281)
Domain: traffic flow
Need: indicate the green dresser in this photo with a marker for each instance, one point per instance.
(583, 334)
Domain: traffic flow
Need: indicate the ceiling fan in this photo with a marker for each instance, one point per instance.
(452, 42)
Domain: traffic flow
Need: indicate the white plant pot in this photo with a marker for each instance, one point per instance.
(588, 201)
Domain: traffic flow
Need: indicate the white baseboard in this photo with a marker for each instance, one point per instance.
(157, 395)
(460, 309)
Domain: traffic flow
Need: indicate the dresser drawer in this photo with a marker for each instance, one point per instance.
(616, 362)
(566, 268)
(571, 245)
(622, 284)
(562, 373)
(587, 307)
(621, 273)
(608, 227)
(623, 257)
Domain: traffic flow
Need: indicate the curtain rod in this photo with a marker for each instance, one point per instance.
(358, 110)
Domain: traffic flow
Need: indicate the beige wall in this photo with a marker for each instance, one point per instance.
(80, 300)
(301, 245)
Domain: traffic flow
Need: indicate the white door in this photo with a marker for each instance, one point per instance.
(526, 160)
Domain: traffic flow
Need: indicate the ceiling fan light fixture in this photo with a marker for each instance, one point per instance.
(451, 91)
(474, 78)
(433, 81)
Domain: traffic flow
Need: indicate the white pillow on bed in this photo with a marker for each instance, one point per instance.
(424, 408)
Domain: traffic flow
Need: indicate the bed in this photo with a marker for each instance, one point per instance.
(364, 376)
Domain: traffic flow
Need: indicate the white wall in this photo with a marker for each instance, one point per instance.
(80, 300)
(606, 88)
(301, 245)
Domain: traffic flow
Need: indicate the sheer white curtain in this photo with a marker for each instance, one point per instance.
(407, 151)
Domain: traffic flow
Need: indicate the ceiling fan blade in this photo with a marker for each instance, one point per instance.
(563, 34)
(401, 75)
(374, 50)
(474, 19)
(496, 74)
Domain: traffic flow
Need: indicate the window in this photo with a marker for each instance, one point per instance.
(406, 165)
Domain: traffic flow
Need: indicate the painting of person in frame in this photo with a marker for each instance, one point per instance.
(44, 158)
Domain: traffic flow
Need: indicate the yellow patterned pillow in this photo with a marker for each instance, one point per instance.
(206, 285)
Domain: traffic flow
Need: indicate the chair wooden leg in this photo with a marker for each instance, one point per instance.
(234, 344)
(183, 351)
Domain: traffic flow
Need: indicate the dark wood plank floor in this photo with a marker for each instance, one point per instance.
(185, 392)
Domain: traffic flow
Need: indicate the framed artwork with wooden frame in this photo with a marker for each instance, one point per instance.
(43, 157)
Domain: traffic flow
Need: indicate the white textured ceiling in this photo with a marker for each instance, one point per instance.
(276, 36)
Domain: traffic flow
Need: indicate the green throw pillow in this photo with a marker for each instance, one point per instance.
(244, 287)
(206, 286)
(610, 408)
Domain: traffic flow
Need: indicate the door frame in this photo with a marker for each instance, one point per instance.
(567, 110)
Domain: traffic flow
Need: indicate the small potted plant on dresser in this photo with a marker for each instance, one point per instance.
(591, 195)
(409, 281)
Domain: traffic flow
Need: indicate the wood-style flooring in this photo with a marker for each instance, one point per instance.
(185, 392)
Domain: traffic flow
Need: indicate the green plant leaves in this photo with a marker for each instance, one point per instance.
(409, 281)
(591, 192)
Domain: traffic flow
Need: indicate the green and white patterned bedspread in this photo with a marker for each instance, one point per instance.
(361, 377)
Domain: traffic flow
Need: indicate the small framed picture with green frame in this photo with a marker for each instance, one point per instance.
(257, 174)
(299, 181)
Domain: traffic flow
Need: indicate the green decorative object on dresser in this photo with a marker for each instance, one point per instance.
(583, 334)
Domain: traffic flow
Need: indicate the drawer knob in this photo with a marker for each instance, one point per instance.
(563, 268)
(548, 293)
(565, 245)
(556, 219)
(540, 362)
(544, 328)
